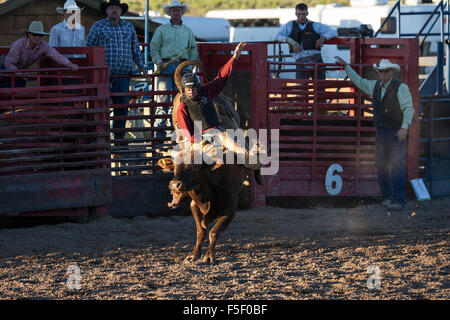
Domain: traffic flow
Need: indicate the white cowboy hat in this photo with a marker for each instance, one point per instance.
(386, 64)
(175, 3)
(69, 5)
(36, 27)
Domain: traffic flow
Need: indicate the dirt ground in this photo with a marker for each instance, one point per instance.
(269, 253)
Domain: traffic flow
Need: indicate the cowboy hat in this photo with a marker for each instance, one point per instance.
(173, 4)
(36, 27)
(69, 5)
(104, 5)
(386, 64)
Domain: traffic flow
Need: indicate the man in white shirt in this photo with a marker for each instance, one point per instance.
(305, 39)
(69, 32)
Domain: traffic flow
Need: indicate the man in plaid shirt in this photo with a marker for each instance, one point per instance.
(121, 44)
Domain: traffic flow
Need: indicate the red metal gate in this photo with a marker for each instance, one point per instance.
(54, 140)
(55, 137)
(325, 126)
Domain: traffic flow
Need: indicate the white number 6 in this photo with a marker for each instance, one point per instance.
(331, 177)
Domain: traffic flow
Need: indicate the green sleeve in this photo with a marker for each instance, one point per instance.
(363, 84)
(155, 46)
(405, 101)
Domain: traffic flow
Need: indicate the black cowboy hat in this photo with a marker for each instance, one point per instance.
(105, 5)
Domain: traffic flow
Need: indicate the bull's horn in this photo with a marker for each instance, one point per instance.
(166, 163)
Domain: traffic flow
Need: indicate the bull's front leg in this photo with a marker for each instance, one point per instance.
(201, 233)
(220, 226)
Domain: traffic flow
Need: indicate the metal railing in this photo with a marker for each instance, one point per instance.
(438, 10)
(395, 7)
(57, 124)
(435, 140)
(440, 13)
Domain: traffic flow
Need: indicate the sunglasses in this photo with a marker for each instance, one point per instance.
(36, 35)
(384, 71)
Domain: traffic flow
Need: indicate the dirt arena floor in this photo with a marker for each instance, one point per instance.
(363, 252)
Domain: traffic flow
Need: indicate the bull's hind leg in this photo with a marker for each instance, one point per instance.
(201, 233)
(220, 226)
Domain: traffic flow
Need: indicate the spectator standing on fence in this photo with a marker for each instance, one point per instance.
(170, 41)
(29, 49)
(121, 44)
(393, 114)
(305, 39)
(69, 32)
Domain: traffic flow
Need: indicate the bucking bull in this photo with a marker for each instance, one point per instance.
(213, 190)
(212, 186)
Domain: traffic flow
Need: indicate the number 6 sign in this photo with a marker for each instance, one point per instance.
(332, 178)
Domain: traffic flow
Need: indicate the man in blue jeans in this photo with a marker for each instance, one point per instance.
(121, 44)
(393, 113)
(120, 85)
(170, 40)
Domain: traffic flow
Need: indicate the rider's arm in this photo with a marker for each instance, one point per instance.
(215, 87)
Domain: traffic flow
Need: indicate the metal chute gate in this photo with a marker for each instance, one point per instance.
(327, 138)
(59, 153)
(54, 140)
(326, 133)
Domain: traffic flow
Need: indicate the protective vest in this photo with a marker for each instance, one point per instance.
(307, 36)
(387, 112)
(202, 109)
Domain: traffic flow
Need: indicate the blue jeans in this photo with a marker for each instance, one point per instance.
(164, 84)
(303, 75)
(120, 85)
(391, 165)
(321, 75)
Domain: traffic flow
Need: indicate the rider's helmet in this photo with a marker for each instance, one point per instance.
(190, 80)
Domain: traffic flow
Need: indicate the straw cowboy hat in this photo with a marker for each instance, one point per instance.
(386, 64)
(173, 4)
(104, 5)
(36, 27)
(69, 5)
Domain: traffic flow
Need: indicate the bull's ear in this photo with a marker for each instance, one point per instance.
(166, 163)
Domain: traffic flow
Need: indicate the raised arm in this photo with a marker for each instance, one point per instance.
(215, 87)
(363, 84)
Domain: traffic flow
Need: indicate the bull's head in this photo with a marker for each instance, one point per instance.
(187, 178)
